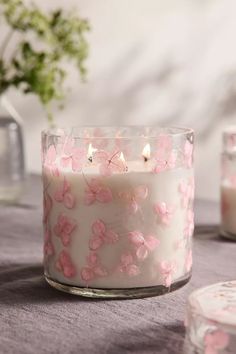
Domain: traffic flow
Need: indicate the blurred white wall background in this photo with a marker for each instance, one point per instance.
(152, 62)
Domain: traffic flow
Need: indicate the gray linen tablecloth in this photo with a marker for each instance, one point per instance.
(35, 318)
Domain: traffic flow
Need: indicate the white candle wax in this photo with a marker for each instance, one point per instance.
(131, 260)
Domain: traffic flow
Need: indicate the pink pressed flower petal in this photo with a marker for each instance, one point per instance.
(69, 200)
(142, 252)
(160, 208)
(136, 237)
(48, 249)
(76, 165)
(132, 270)
(69, 227)
(105, 170)
(95, 184)
(92, 259)
(89, 198)
(100, 271)
(87, 274)
(126, 259)
(210, 350)
(99, 227)
(101, 156)
(104, 195)
(221, 339)
(58, 266)
(65, 161)
(68, 146)
(58, 196)
(95, 243)
(50, 155)
(69, 271)
(168, 280)
(111, 236)
(151, 242)
(171, 162)
(141, 192)
(65, 239)
(133, 207)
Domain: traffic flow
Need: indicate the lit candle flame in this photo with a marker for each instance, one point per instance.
(146, 152)
(91, 150)
(122, 158)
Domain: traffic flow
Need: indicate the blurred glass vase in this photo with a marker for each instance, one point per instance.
(12, 166)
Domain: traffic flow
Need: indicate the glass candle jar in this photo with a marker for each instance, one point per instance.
(211, 320)
(228, 184)
(118, 210)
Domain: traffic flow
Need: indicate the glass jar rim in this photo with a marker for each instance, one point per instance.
(145, 131)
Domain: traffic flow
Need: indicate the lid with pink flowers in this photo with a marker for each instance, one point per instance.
(211, 319)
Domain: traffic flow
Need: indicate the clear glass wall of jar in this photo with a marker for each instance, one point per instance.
(118, 210)
(228, 184)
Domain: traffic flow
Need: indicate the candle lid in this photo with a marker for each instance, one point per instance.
(211, 319)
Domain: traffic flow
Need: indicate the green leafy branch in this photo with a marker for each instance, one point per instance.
(47, 40)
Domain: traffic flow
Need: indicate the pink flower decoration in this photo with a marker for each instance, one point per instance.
(65, 265)
(186, 190)
(93, 269)
(64, 228)
(48, 246)
(109, 163)
(189, 261)
(63, 195)
(50, 160)
(128, 266)
(143, 245)
(189, 228)
(188, 154)
(134, 197)
(97, 192)
(167, 270)
(215, 342)
(73, 157)
(164, 143)
(101, 235)
(47, 206)
(165, 213)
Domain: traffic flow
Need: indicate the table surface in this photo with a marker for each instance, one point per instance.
(35, 318)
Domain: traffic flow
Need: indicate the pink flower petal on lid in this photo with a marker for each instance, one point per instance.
(136, 237)
(99, 227)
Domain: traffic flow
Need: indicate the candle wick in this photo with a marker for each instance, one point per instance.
(145, 158)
